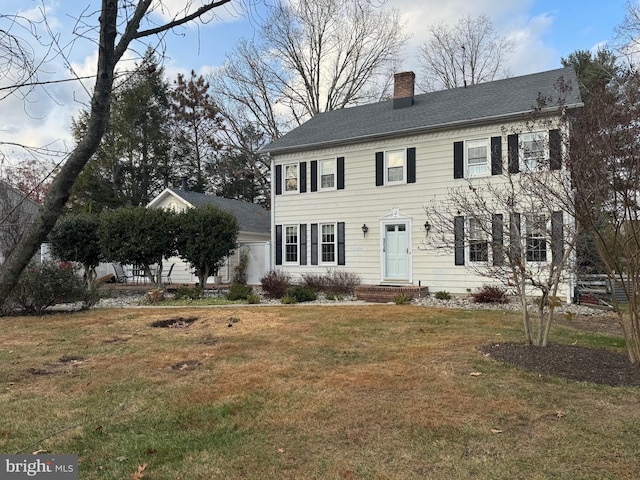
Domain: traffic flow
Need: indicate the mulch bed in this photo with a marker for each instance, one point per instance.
(572, 362)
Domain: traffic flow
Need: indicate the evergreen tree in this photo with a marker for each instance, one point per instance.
(196, 123)
(132, 163)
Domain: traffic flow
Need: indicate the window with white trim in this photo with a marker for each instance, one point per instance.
(291, 243)
(533, 150)
(536, 237)
(477, 158)
(291, 178)
(395, 164)
(478, 243)
(328, 242)
(327, 174)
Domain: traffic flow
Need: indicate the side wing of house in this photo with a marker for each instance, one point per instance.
(167, 201)
(361, 207)
(253, 237)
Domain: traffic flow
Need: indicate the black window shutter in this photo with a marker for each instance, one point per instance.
(411, 165)
(340, 173)
(278, 244)
(314, 175)
(496, 155)
(303, 243)
(278, 179)
(557, 240)
(458, 240)
(555, 151)
(458, 159)
(341, 250)
(497, 241)
(314, 244)
(512, 153)
(515, 238)
(302, 172)
(379, 168)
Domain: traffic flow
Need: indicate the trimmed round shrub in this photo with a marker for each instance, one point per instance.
(302, 293)
(443, 295)
(239, 291)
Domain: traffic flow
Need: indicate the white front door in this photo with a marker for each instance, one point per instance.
(396, 254)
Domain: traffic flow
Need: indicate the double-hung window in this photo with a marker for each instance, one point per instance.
(477, 156)
(291, 244)
(328, 242)
(395, 162)
(478, 244)
(533, 150)
(536, 231)
(291, 178)
(327, 174)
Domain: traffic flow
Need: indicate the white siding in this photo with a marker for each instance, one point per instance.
(362, 202)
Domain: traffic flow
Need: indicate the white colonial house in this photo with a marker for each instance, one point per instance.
(253, 237)
(349, 187)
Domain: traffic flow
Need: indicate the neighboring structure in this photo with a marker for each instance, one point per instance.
(253, 237)
(16, 212)
(349, 186)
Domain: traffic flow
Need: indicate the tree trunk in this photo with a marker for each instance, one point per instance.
(61, 186)
(202, 277)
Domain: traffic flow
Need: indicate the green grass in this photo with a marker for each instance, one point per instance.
(311, 392)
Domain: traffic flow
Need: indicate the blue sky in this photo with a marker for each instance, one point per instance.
(543, 31)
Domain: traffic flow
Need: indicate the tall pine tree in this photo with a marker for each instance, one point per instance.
(196, 127)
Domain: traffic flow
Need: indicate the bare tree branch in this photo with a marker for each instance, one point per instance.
(468, 52)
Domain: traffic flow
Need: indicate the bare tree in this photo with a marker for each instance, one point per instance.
(246, 90)
(119, 25)
(466, 53)
(312, 56)
(606, 171)
(628, 32)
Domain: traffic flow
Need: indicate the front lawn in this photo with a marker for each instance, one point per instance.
(305, 392)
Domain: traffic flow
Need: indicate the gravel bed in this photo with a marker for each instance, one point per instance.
(129, 299)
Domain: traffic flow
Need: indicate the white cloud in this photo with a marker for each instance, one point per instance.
(531, 52)
(510, 19)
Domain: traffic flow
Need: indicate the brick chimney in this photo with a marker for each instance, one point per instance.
(403, 89)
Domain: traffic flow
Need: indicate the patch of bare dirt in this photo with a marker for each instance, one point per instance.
(186, 365)
(178, 322)
(61, 366)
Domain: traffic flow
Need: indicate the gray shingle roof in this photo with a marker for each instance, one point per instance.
(251, 217)
(491, 101)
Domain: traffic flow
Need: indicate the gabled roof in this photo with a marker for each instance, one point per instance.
(252, 218)
(495, 101)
